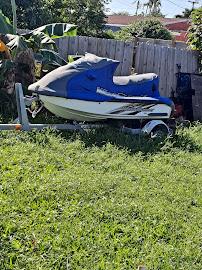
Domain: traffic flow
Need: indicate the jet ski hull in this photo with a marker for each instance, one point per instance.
(91, 111)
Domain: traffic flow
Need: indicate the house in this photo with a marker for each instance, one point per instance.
(178, 26)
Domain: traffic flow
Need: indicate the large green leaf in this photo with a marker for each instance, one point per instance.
(5, 25)
(57, 30)
(52, 57)
(49, 59)
(38, 40)
(42, 38)
(16, 44)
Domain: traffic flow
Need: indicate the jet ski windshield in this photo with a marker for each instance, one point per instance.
(82, 79)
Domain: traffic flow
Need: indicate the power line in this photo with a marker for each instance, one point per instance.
(175, 4)
(125, 4)
(132, 5)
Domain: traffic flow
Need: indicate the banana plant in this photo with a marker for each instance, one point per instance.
(5, 25)
(37, 39)
(40, 40)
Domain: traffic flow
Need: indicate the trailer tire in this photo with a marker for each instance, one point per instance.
(160, 131)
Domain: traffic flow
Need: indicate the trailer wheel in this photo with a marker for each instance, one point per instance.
(159, 131)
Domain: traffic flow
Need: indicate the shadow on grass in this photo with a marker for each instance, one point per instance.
(182, 140)
(133, 144)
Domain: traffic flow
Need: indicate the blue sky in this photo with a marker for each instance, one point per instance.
(169, 7)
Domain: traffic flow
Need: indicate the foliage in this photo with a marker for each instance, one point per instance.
(195, 33)
(4, 66)
(88, 15)
(148, 28)
(100, 200)
(157, 14)
(153, 8)
(121, 13)
(5, 24)
(6, 69)
(38, 40)
(16, 44)
(6, 76)
(108, 34)
(51, 59)
(57, 30)
(185, 14)
(30, 15)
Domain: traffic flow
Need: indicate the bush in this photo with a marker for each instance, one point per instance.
(195, 33)
(149, 28)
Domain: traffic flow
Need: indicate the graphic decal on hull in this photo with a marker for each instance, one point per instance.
(134, 108)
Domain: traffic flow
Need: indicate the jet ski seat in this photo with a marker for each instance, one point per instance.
(134, 79)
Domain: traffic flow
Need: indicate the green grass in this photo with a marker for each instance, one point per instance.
(100, 200)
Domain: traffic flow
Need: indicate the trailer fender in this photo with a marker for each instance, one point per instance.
(151, 125)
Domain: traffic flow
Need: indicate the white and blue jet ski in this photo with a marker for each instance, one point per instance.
(87, 90)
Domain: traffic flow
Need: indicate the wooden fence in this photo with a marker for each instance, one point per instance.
(163, 61)
(144, 55)
(162, 42)
(114, 49)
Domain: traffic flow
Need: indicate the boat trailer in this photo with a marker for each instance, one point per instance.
(22, 122)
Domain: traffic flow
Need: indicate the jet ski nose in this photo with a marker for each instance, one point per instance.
(33, 87)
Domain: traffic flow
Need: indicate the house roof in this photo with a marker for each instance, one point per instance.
(173, 24)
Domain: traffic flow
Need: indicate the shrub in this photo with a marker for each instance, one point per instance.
(195, 33)
(149, 28)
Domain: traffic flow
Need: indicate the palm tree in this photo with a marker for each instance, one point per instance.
(137, 6)
(148, 6)
(157, 6)
(153, 6)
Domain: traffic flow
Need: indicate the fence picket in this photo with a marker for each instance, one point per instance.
(150, 60)
(137, 58)
(113, 49)
(83, 45)
(92, 45)
(127, 59)
(156, 59)
(172, 79)
(119, 56)
(161, 71)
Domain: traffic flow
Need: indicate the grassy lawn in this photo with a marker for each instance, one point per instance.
(100, 200)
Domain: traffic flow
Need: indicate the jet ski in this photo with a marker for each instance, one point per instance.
(87, 90)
